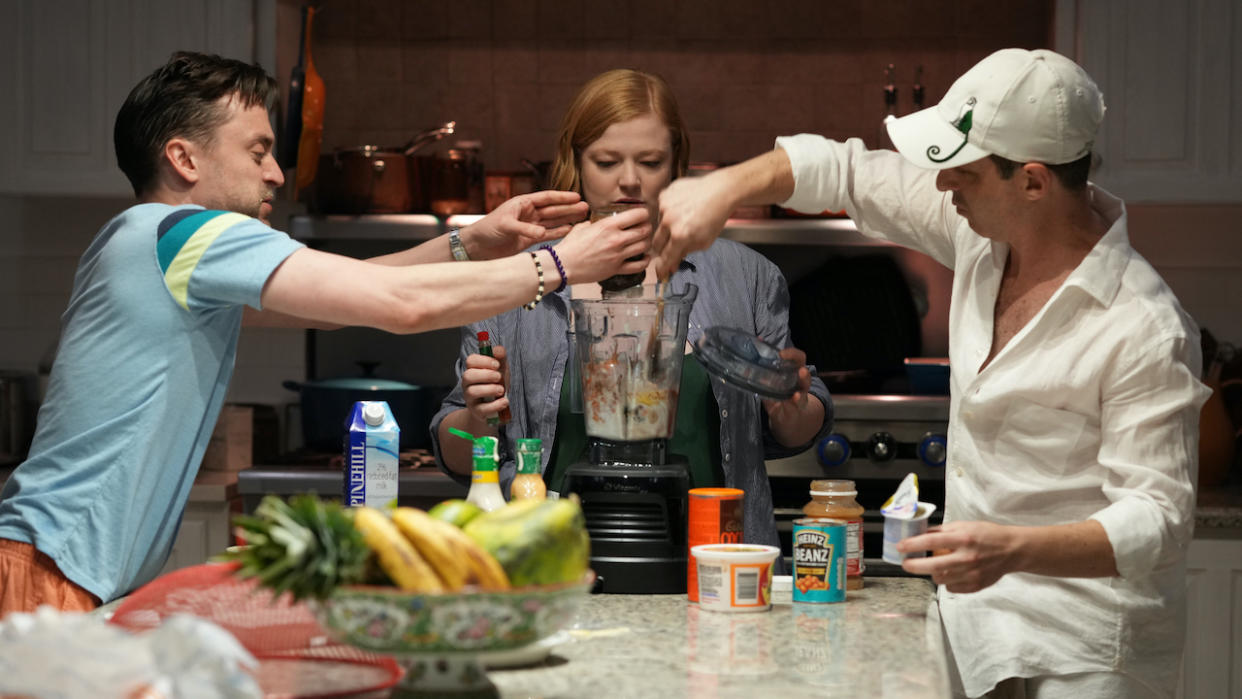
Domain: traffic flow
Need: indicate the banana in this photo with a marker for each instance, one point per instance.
(485, 570)
(397, 557)
(422, 531)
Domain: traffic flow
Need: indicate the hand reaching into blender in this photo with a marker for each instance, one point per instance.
(621, 143)
(484, 379)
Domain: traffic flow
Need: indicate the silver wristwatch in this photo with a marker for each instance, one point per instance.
(455, 246)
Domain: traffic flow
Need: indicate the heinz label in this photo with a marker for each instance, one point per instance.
(371, 448)
(819, 555)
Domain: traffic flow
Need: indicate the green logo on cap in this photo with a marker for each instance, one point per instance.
(963, 124)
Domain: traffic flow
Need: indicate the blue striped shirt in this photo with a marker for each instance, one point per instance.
(738, 288)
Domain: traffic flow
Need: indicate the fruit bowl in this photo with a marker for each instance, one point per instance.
(388, 620)
(439, 637)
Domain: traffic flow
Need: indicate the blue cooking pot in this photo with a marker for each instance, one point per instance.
(326, 405)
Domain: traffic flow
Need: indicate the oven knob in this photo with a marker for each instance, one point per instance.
(834, 450)
(882, 447)
(933, 449)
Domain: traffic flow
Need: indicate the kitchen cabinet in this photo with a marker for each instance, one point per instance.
(204, 533)
(206, 523)
(1212, 664)
(66, 67)
(1171, 74)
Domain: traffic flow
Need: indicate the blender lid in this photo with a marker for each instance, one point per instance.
(744, 361)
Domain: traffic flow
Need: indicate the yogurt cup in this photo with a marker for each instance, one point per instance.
(896, 529)
(735, 577)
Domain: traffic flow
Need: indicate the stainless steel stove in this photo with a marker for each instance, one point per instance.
(876, 440)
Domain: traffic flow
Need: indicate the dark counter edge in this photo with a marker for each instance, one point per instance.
(418, 483)
(1218, 508)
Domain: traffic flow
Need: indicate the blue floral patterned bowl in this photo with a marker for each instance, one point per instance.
(387, 620)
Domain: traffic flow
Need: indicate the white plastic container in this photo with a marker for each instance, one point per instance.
(735, 577)
(896, 529)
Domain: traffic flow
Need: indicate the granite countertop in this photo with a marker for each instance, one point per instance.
(883, 641)
(1219, 507)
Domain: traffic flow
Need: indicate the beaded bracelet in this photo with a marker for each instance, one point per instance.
(560, 269)
(538, 294)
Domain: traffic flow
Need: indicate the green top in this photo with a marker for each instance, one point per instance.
(529, 452)
(486, 451)
(696, 434)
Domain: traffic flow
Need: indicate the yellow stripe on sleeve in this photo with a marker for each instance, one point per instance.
(177, 278)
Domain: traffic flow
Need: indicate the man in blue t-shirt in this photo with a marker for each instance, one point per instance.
(149, 337)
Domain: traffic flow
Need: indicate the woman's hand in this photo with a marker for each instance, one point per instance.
(795, 420)
(483, 385)
(523, 221)
(801, 392)
(595, 251)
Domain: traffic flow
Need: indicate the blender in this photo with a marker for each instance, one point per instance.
(628, 356)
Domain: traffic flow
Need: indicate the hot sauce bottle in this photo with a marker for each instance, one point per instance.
(485, 349)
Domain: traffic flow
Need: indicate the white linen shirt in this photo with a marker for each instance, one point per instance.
(1090, 411)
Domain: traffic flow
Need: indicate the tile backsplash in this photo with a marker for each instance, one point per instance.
(743, 71)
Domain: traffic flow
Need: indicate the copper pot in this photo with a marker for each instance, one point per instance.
(371, 180)
(377, 180)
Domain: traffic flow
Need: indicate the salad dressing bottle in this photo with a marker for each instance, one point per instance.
(528, 484)
(485, 479)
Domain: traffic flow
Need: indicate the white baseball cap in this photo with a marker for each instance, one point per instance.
(1026, 106)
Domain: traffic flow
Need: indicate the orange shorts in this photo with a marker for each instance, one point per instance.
(28, 578)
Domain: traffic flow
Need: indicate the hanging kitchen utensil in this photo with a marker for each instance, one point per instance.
(287, 151)
(312, 113)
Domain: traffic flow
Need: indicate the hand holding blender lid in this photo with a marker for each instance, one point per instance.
(746, 362)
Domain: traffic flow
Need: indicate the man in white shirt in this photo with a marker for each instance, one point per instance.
(1073, 429)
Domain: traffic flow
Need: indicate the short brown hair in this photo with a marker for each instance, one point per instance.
(181, 99)
(1072, 175)
(609, 98)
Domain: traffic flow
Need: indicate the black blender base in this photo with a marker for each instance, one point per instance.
(623, 576)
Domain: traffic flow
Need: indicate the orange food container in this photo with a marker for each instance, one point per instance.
(715, 517)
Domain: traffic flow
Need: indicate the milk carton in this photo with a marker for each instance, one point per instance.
(371, 455)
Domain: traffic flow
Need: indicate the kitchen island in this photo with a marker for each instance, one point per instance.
(883, 642)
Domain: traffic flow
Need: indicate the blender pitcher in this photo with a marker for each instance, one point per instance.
(629, 353)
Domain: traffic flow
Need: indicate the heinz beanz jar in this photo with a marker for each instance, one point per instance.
(819, 546)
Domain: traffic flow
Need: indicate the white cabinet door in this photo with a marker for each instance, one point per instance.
(205, 532)
(67, 66)
(1171, 73)
(1212, 664)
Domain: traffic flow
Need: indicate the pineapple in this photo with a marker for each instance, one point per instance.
(306, 547)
